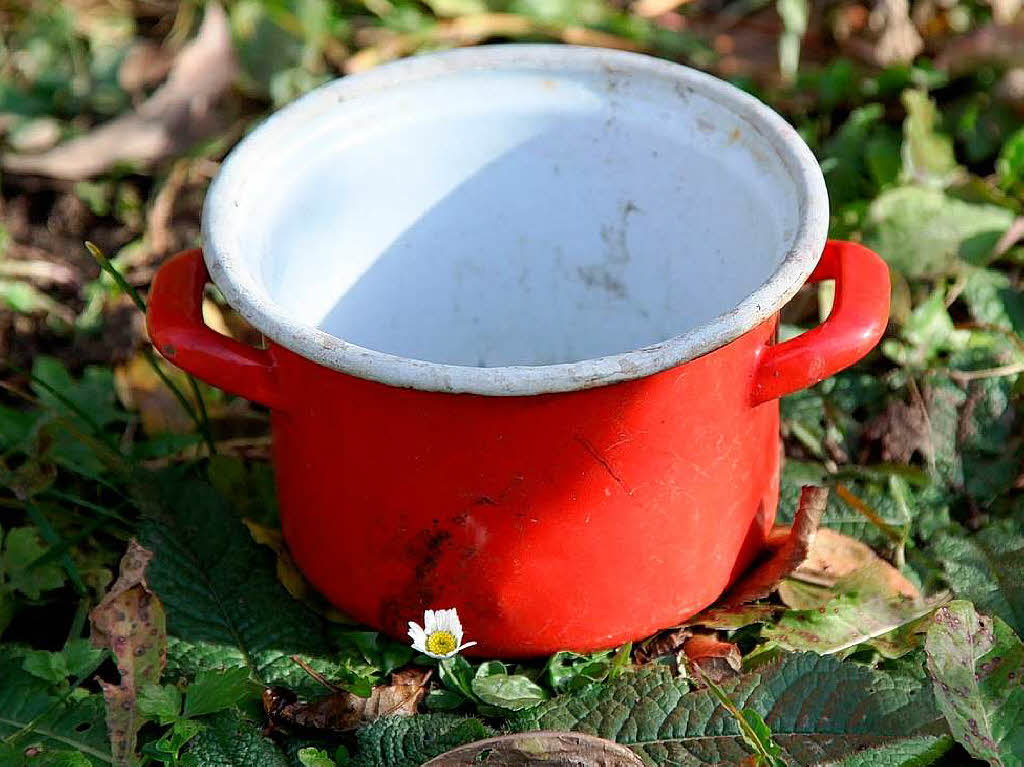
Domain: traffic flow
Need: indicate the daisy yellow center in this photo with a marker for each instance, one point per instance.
(441, 642)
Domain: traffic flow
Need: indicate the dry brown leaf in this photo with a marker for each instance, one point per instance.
(540, 749)
(343, 711)
(992, 43)
(650, 9)
(833, 556)
(784, 557)
(177, 115)
(144, 65)
(130, 622)
(715, 659)
(898, 39)
(287, 571)
(902, 429)
(667, 642)
(139, 388)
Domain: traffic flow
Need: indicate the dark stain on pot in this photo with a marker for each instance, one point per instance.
(426, 549)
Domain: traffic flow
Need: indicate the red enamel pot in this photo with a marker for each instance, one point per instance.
(520, 305)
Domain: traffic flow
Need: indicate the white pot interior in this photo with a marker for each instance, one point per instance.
(510, 215)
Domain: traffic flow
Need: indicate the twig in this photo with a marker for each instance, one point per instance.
(963, 376)
(890, 532)
(315, 674)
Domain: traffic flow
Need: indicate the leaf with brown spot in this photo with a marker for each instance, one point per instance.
(540, 749)
(130, 622)
(861, 607)
(343, 711)
(764, 578)
(977, 667)
(716, 659)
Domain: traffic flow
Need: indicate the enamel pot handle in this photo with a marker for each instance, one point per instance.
(856, 323)
(174, 319)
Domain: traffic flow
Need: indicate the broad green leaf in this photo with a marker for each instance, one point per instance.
(22, 547)
(927, 154)
(89, 401)
(1010, 165)
(818, 709)
(159, 702)
(315, 757)
(927, 233)
(231, 740)
(409, 741)
(986, 568)
(977, 664)
(226, 608)
(57, 725)
(77, 659)
(167, 748)
(213, 691)
(864, 608)
(993, 300)
(513, 692)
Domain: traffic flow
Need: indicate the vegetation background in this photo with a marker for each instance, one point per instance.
(889, 638)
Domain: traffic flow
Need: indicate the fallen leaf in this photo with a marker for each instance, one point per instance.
(732, 618)
(540, 749)
(145, 64)
(833, 556)
(976, 664)
(990, 43)
(287, 571)
(763, 579)
(344, 711)
(902, 429)
(177, 115)
(860, 607)
(664, 643)
(898, 40)
(139, 388)
(715, 659)
(130, 622)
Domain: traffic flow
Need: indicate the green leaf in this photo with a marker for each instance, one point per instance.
(225, 606)
(986, 568)
(22, 547)
(515, 692)
(819, 709)
(409, 741)
(993, 300)
(926, 233)
(89, 401)
(214, 691)
(977, 664)
(928, 157)
(864, 608)
(46, 719)
(161, 703)
(1010, 165)
(168, 748)
(457, 675)
(231, 740)
(315, 757)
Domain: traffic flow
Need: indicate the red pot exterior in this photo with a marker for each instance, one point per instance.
(575, 520)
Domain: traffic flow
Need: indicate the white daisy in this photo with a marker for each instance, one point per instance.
(441, 634)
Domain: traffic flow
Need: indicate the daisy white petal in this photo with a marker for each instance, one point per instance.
(460, 648)
(429, 621)
(419, 637)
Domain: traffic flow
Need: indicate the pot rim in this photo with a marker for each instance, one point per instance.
(220, 226)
